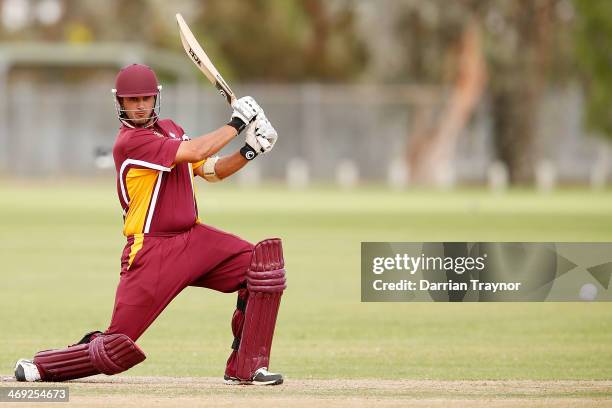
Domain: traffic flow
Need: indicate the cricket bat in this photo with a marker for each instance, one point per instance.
(198, 56)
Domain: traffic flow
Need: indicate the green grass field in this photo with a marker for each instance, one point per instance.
(60, 247)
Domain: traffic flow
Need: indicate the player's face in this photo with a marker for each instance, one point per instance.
(138, 109)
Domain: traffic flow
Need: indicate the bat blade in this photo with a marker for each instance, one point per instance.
(200, 59)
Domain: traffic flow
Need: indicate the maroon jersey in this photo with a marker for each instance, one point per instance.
(156, 195)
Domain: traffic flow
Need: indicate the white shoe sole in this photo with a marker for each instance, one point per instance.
(236, 381)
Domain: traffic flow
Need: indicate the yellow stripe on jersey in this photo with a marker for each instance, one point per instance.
(197, 164)
(195, 201)
(139, 184)
(136, 246)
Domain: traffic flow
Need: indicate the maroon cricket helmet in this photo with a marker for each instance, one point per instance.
(136, 80)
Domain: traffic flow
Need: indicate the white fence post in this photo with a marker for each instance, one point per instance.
(347, 174)
(298, 173)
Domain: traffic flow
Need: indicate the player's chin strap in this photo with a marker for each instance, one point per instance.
(255, 318)
(151, 119)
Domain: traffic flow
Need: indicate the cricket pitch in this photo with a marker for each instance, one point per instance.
(205, 391)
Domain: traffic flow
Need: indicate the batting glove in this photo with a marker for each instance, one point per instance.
(265, 130)
(245, 110)
(260, 138)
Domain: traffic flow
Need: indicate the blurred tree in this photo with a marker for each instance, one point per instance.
(443, 43)
(281, 40)
(517, 53)
(430, 35)
(522, 51)
(594, 57)
(432, 146)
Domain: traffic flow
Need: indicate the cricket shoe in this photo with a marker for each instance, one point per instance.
(261, 377)
(26, 370)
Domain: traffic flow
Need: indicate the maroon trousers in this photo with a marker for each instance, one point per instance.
(157, 267)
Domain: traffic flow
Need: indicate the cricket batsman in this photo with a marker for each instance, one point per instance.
(168, 247)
